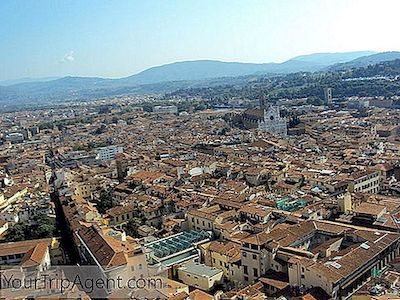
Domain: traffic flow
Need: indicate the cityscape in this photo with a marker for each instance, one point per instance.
(204, 179)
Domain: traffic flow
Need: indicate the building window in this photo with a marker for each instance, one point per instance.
(245, 271)
(244, 254)
(255, 271)
(246, 278)
(254, 256)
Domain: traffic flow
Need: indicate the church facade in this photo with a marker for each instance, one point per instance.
(273, 122)
(267, 119)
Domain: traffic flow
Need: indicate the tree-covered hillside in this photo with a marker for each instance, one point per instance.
(381, 79)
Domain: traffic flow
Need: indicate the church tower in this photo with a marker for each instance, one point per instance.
(263, 101)
(345, 203)
(328, 96)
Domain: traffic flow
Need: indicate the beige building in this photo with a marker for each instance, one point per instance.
(120, 215)
(225, 256)
(365, 182)
(200, 276)
(207, 218)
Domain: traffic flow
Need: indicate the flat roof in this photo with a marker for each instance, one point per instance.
(200, 270)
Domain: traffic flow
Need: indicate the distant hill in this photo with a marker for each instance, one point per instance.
(206, 69)
(25, 80)
(174, 76)
(326, 59)
(194, 70)
(366, 60)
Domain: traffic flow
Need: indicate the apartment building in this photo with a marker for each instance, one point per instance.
(30, 255)
(365, 182)
(109, 152)
(207, 218)
(120, 215)
(225, 256)
(336, 257)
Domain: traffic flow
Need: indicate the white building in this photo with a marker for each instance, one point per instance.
(109, 152)
(9, 215)
(273, 122)
(169, 109)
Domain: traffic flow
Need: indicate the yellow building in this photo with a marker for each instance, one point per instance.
(225, 256)
(345, 203)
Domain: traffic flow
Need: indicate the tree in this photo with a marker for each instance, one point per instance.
(147, 107)
(16, 232)
(104, 110)
(45, 227)
(100, 130)
(132, 226)
(42, 227)
(105, 201)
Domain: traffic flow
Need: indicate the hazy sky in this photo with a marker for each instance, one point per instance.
(40, 38)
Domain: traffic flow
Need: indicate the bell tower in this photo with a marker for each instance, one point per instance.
(263, 101)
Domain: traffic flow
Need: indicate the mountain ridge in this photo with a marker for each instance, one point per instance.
(75, 87)
(364, 61)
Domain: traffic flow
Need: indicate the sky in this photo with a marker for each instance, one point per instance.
(117, 38)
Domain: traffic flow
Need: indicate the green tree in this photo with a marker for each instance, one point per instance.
(105, 201)
(132, 226)
(16, 232)
(42, 227)
(45, 227)
(100, 130)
